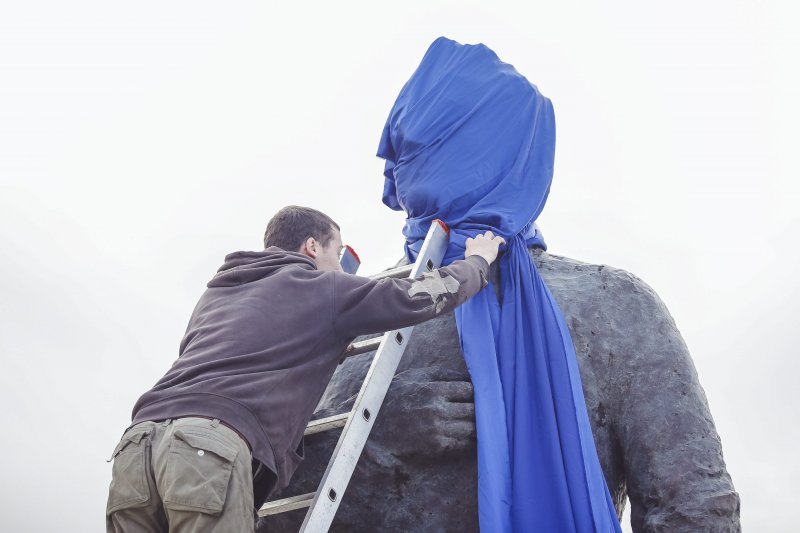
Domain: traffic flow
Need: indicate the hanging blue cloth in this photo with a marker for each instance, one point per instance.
(471, 141)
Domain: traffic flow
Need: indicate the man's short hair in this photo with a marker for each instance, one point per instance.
(292, 225)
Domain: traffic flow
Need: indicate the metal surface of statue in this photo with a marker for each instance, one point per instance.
(651, 422)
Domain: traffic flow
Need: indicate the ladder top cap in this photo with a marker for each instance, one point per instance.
(443, 225)
(353, 252)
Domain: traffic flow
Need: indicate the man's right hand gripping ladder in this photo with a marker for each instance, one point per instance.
(358, 422)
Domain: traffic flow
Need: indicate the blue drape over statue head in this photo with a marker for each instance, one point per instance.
(470, 141)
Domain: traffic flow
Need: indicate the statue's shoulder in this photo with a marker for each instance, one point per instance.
(565, 272)
(585, 283)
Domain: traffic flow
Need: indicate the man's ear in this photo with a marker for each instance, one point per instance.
(310, 247)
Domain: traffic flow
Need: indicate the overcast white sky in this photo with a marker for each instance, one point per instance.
(140, 142)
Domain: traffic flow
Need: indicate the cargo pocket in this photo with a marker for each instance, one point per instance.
(197, 473)
(128, 475)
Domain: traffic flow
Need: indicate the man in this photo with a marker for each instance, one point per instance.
(223, 428)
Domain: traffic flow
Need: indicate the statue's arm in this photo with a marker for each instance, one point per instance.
(674, 468)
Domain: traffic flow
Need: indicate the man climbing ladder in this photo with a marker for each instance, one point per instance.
(223, 428)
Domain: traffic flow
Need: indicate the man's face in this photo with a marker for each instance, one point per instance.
(326, 257)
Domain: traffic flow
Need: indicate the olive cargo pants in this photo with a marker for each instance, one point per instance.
(180, 475)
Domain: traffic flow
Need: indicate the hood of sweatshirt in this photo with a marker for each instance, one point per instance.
(245, 267)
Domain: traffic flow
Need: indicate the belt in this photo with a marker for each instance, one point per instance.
(227, 426)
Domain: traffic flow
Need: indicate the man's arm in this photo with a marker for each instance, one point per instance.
(363, 305)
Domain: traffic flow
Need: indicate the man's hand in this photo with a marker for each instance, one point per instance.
(484, 245)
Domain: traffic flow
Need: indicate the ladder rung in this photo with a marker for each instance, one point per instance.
(327, 423)
(397, 272)
(369, 345)
(286, 504)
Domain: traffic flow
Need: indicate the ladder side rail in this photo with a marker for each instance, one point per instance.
(370, 398)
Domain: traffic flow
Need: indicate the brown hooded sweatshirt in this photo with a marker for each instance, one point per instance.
(267, 335)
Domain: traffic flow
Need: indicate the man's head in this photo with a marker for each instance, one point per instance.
(307, 231)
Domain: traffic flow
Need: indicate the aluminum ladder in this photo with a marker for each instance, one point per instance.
(358, 422)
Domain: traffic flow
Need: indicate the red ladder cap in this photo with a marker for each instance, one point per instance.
(443, 225)
(353, 252)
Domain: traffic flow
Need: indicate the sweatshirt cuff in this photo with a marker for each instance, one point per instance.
(483, 266)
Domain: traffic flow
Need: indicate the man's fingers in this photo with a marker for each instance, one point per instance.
(489, 234)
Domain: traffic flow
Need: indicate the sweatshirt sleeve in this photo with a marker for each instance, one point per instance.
(362, 305)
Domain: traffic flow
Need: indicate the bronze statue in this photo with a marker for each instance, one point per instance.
(653, 430)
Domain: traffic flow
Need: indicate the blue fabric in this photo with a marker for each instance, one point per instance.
(472, 142)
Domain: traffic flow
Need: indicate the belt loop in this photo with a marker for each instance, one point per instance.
(167, 421)
(215, 422)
